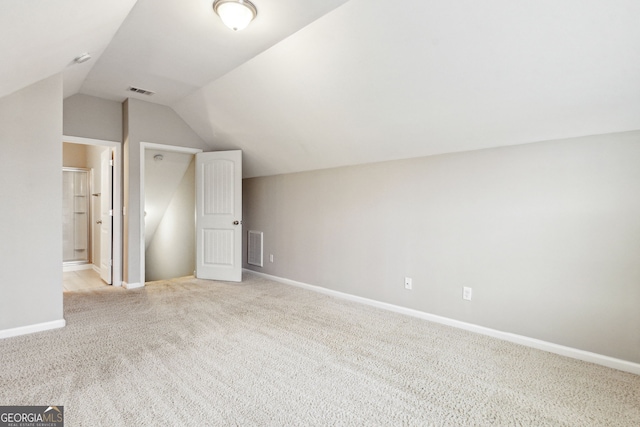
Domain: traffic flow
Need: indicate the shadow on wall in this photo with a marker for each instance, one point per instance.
(169, 215)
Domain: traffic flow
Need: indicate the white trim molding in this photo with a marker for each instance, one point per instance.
(77, 267)
(610, 362)
(30, 329)
(129, 286)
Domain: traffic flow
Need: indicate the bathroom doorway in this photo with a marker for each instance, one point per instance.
(91, 226)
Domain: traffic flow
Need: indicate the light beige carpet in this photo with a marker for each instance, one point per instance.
(191, 353)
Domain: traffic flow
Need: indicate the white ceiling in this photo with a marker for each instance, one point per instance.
(40, 38)
(322, 83)
(173, 47)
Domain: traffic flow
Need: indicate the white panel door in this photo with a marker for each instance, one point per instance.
(219, 215)
(106, 216)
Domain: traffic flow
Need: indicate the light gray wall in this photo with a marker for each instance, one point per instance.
(91, 117)
(31, 214)
(145, 122)
(546, 234)
(172, 250)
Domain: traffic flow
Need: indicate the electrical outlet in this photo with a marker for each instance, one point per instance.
(467, 293)
(408, 283)
(270, 257)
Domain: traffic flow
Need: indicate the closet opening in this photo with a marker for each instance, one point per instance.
(168, 206)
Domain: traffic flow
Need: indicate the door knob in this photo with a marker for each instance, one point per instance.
(99, 221)
(236, 222)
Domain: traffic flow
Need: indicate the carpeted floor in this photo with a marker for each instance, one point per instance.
(190, 352)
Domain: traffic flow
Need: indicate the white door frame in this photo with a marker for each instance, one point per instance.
(106, 216)
(117, 198)
(153, 146)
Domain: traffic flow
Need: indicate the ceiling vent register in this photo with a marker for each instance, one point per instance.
(140, 91)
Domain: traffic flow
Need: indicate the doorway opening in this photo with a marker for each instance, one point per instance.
(216, 218)
(168, 206)
(92, 243)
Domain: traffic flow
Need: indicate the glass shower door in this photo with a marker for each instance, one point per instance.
(75, 215)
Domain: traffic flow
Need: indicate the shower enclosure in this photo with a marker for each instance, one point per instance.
(76, 216)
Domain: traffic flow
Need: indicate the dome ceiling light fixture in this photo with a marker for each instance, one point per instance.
(235, 14)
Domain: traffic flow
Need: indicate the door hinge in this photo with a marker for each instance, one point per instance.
(110, 212)
(110, 263)
(111, 162)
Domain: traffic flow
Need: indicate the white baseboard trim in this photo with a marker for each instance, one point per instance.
(76, 267)
(132, 285)
(96, 268)
(38, 327)
(611, 362)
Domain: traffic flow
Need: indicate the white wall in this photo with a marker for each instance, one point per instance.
(31, 214)
(546, 234)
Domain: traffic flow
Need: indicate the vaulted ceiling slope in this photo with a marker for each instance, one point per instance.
(376, 80)
(173, 47)
(40, 38)
(322, 83)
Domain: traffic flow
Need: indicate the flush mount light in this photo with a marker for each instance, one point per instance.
(82, 58)
(158, 157)
(235, 14)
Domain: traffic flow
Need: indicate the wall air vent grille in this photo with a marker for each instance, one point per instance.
(140, 91)
(254, 244)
